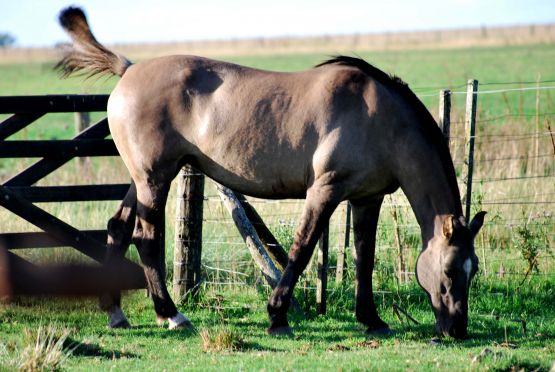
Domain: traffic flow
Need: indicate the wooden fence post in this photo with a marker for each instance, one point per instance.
(445, 114)
(401, 267)
(322, 280)
(188, 232)
(341, 254)
(470, 132)
(82, 122)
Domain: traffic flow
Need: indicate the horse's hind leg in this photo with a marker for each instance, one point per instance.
(319, 206)
(147, 236)
(120, 230)
(365, 221)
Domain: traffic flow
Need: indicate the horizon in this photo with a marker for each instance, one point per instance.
(170, 21)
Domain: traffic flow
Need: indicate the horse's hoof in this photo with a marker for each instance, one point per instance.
(280, 331)
(382, 331)
(179, 321)
(436, 341)
(122, 324)
(117, 319)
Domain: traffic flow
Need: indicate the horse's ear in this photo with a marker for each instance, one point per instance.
(448, 227)
(476, 223)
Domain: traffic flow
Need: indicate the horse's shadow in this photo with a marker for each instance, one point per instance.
(84, 349)
(154, 331)
(489, 333)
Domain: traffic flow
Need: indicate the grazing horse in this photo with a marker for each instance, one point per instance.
(343, 130)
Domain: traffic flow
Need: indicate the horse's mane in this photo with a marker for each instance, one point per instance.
(386, 79)
(427, 122)
(367, 68)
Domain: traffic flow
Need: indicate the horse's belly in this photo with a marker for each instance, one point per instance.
(266, 175)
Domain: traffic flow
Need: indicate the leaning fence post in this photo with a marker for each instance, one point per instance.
(257, 250)
(322, 280)
(188, 232)
(272, 246)
(470, 132)
(445, 114)
(343, 248)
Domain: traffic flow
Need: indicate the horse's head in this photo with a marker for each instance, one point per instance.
(444, 270)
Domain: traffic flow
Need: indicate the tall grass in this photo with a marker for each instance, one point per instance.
(44, 349)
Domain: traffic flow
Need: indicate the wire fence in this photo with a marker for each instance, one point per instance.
(514, 180)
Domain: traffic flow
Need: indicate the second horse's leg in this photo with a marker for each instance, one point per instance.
(120, 230)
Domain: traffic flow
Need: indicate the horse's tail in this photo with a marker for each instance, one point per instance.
(86, 54)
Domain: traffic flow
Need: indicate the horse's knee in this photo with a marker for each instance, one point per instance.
(120, 227)
(116, 231)
(137, 237)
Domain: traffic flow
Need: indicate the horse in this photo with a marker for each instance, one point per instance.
(343, 130)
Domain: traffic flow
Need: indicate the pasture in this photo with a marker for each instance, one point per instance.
(512, 301)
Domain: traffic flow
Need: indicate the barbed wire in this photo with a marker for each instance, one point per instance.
(527, 157)
(494, 91)
(491, 91)
(511, 138)
(448, 87)
(519, 202)
(525, 135)
(517, 82)
(506, 116)
(535, 195)
(487, 180)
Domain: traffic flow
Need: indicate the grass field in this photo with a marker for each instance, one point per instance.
(334, 342)
(520, 202)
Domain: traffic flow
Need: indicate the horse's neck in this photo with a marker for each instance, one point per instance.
(432, 191)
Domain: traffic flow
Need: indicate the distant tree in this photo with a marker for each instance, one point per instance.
(6, 40)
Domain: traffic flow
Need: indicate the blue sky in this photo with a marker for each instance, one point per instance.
(33, 22)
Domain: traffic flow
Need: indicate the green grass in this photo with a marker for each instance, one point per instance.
(426, 71)
(331, 342)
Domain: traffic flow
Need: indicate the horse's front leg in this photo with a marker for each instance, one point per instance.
(319, 206)
(147, 236)
(365, 222)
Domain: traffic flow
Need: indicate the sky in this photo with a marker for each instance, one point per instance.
(33, 22)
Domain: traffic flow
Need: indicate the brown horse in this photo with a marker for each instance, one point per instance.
(343, 130)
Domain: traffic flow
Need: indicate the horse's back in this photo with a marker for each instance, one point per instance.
(263, 133)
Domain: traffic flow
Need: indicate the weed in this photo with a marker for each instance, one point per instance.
(284, 233)
(532, 239)
(221, 339)
(44, 349)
